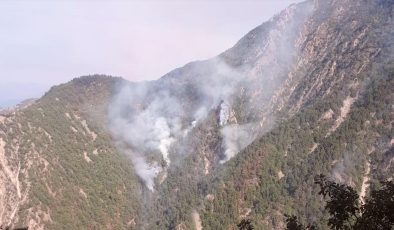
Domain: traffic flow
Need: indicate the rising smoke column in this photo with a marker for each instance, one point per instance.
(224, 113)
(147, 118)
(140, 127)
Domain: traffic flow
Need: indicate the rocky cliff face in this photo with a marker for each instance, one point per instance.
(240, 135)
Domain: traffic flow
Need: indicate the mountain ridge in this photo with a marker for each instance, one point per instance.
(244, 132)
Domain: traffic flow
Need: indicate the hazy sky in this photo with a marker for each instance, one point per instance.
(43, 43)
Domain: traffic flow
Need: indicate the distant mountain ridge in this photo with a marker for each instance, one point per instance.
(237, 136)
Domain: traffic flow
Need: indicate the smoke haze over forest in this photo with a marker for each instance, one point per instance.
(44, 43)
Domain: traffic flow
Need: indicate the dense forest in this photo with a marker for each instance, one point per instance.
(308, 92)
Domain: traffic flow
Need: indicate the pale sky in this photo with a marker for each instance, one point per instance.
(48, 42)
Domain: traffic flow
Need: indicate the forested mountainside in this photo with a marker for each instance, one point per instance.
(238, 136)
(59, 168)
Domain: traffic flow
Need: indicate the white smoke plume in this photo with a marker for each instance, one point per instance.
(146, 172)
(224, 113)
(236, 137)
(342, 168)
(141, 129)
(148, 118)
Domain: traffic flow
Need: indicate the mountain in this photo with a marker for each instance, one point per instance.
(241, 135)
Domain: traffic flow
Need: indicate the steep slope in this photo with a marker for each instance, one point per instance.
(340, 47)
(59, 166)
(237, 136)
(340, 91)
(277, 171)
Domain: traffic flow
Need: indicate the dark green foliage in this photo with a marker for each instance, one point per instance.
(342, 204)
(378, 211)
(245, 224)
(250, 180)
(345, 212)
(292, 223)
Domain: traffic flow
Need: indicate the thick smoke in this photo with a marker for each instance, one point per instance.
(236, 137)
(224, 113)
(146, 119)
(147, 172)
(142, 129)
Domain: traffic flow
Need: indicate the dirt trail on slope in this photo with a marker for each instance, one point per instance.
(197, 220)
(365, 184)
